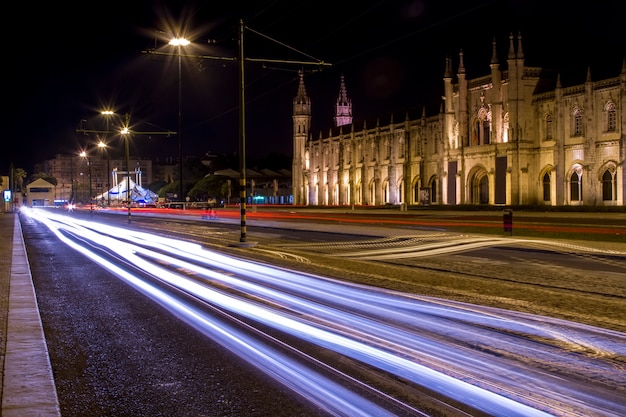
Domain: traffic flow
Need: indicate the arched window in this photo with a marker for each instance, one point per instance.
(505, 128)
(548, 126)
(433, 190)
(608, 186)
(483, 127)
(611, 117)
(546, 187)
(479, 191)
(577, 121)
(575, 185)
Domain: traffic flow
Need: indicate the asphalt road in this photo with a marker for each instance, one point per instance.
(116, 353)
(101, 329)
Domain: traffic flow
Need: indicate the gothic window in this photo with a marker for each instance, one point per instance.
(505, 128)
(546, 187)
(373, 149)
(548, 126)
(386, 193)
(436, 144)
(433, 190)
(387, 149)
(325, 157)
(608, 186)
(482, 133)
(611, 117)
(575, 184)
(577, 122)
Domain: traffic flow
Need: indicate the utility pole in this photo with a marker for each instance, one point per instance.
(242, 115)
(125, 133)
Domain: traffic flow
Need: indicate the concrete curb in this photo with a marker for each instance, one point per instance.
(28, 385)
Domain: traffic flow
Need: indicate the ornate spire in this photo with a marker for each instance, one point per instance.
(301, 97)
(448, 71)
(511, 47)
(461, 64)
(520, 53)
(343, 115)
(494, 55)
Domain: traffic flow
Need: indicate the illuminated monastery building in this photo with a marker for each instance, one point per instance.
(511, 137)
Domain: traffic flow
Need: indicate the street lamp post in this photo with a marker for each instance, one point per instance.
(102, 145)
(125, 133)
(242, 116)
(107, 114)
(86, 156)
(180, 42)
(242, 138)
(71, 179)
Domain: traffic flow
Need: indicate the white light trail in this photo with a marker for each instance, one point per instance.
(427, 341)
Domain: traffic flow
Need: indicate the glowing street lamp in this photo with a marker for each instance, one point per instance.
(104, 147)
(86, 156)
(178, 43)
(125, 132)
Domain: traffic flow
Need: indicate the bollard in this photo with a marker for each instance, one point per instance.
(507, 222)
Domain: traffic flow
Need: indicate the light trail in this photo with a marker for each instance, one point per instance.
(496, 361)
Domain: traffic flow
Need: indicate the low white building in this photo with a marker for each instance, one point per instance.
(40, 193)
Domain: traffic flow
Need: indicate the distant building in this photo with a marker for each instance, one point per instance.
(40, 193)
(262, 187)
(74, 173)
(515, 136)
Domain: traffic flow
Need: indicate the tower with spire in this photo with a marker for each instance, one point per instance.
(343, 114)
(301, 127)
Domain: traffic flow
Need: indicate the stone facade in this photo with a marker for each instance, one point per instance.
(511, 137)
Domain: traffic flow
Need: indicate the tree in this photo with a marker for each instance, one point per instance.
(209, 186)
(44, 176)
(18, 177)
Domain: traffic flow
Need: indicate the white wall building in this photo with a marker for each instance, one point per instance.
(514, 136)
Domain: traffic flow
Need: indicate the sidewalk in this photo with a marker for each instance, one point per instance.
(27, 388)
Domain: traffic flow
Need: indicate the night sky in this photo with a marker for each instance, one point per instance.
(78, 59)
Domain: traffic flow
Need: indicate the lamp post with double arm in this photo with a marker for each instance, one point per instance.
(104, 145)
(242, 116)
(179, 42)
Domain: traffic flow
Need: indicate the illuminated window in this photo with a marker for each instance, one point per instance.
(482, 128)
(577, 117)
(611, 117)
